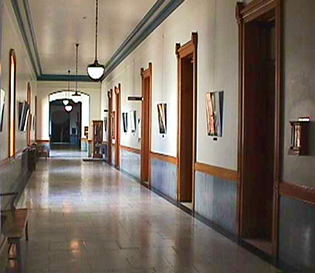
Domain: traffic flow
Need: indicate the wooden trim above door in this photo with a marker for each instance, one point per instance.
(245, 14)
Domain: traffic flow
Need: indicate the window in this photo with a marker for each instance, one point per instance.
(12, 100)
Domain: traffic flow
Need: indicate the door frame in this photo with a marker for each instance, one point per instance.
(183, 51)
(146, 132)
(109, 137)
(118, 121)
(246, 14)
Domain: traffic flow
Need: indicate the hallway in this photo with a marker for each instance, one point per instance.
(88, 217)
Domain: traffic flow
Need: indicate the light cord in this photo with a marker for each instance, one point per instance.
(96, 27)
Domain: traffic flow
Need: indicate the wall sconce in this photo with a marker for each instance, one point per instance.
(135, 98)
(299, 137)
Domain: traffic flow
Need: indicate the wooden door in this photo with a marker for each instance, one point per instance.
(146, 123)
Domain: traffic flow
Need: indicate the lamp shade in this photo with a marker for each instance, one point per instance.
(96, 71)
(68, 108)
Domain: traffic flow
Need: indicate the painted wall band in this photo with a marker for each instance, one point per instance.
(130, 149)
(165, 158)
(222, 173)
(301, 193)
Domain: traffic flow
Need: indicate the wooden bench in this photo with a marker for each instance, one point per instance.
(15, 226)
(4, 249)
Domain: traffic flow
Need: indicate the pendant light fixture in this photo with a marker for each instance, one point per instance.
(68, 108)
(66, 101)
(96, 70)
(76, 95)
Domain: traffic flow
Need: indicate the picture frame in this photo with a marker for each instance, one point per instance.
(133, 121)
(139, 129)
(125, 122)
(2, 106)
(105, 124)
(113, 117)
(214, 113)
(162, 118)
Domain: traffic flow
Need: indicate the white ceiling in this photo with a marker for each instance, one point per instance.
(60, 24)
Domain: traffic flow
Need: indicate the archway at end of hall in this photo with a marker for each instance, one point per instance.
(68, 118)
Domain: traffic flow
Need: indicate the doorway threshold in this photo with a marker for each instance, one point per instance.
(262, 244)
(188, 205)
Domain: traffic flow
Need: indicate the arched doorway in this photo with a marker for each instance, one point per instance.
(68, 116)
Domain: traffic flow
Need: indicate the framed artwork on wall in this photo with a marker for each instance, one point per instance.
(113, 117)
(133, 121)
(214, 112)
(139, 129)
(162, 117)
(2, 104)
(24, 112)
(125, 122)
(105, 124)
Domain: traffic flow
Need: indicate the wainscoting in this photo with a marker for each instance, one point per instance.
(216, 200)
(296, 233)
(130, 161)
(164, 174)
(14, 175)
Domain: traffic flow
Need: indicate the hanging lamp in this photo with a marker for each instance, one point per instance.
(76, 95)
(96, 71)
(68, 108)
(66, 101)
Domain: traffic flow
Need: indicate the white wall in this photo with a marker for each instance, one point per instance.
(46, 88)
(12, 39)
(215, 22)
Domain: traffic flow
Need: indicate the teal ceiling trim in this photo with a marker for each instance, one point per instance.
(32, 32)
(155, 16)
(64, 78)
(159, 12)
(19, 19)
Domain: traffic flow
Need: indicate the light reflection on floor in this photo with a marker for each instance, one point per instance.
(88, 217)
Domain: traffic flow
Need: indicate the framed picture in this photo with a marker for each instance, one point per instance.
(105, 124)
(139, 128)
(162, 116)
(125, 122)
(113, 117)
(133, 121)
(86, 131)
(214, 112)
(2, 104)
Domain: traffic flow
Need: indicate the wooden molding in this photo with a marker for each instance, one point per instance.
(256, 8)
(131, 150)
(146, 122)
(222, 173)
(301, 193)
(165, 158)
(266, 10)
(42, 141)
(182, 52)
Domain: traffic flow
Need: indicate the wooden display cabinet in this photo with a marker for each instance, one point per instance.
(97, 138)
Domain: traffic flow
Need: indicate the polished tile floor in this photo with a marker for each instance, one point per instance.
(88, 217)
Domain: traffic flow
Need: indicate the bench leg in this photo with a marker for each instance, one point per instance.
(18, 254)
(26, 231)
